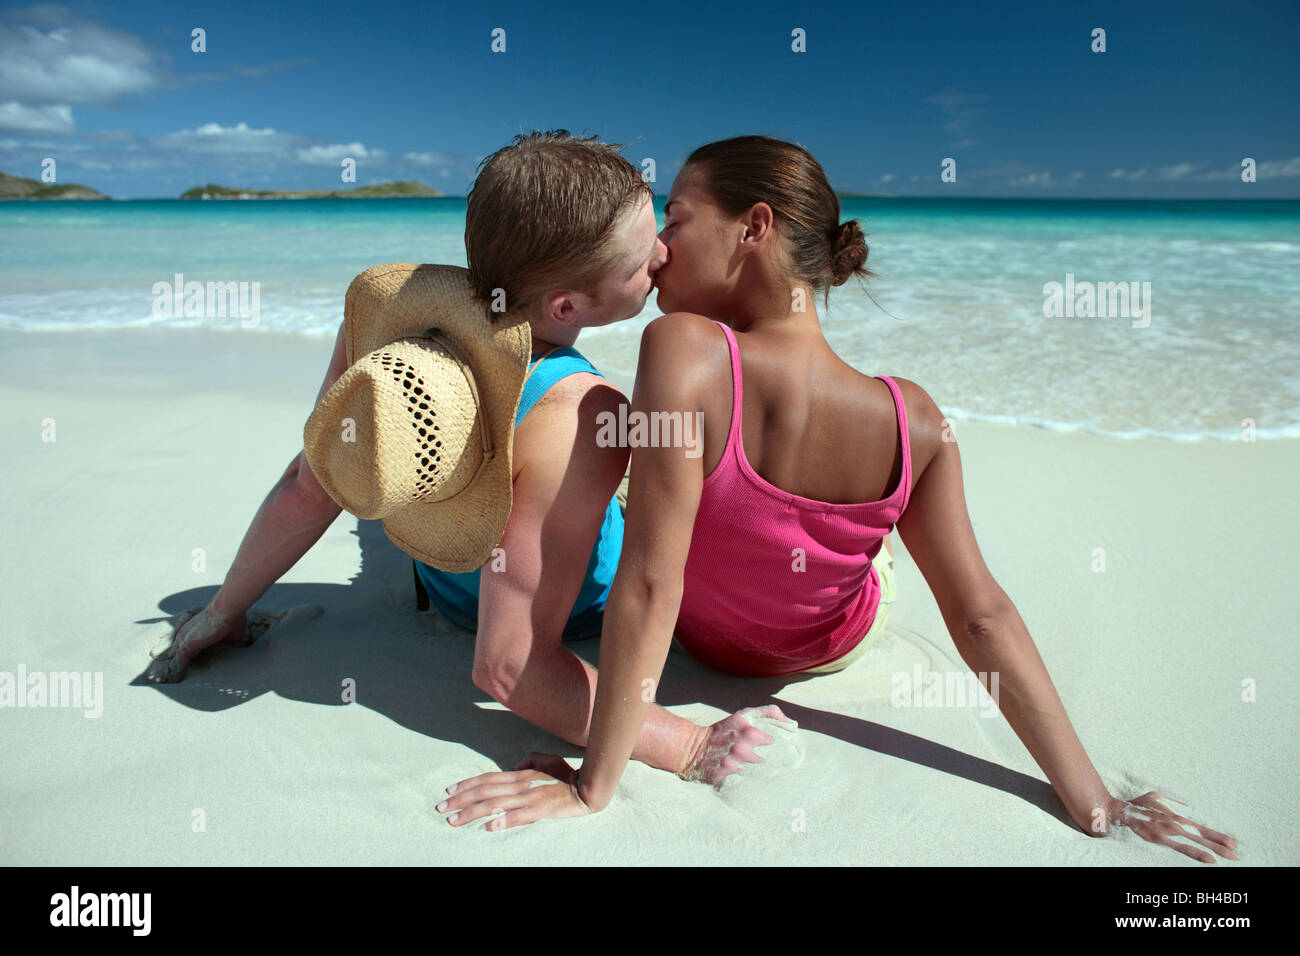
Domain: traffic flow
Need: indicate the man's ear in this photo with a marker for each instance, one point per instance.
(562, 306)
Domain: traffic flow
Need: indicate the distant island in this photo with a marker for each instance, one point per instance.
(863, 196)
(406, 187)
(18, 187)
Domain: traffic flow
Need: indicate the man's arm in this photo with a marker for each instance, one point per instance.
(291, 519)
(564, 482)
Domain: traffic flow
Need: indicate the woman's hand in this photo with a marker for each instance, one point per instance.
(1155, 823)
(729, 745)
(514, 793)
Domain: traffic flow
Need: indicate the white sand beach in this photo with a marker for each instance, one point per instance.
(167, 440)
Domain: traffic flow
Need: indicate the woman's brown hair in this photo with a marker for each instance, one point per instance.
(745, 170)
(541, 214)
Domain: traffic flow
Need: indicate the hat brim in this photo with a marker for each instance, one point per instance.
(401, 300)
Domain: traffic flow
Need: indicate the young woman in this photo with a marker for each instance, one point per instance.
(759, 552)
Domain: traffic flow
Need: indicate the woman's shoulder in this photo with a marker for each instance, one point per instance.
(683, 350)
(926, 424)
(681, 327)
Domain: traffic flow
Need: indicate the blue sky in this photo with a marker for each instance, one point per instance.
(883, 94)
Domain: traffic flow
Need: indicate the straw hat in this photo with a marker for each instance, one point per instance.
(419, 430)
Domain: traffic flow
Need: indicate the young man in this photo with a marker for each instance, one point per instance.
(563, 229)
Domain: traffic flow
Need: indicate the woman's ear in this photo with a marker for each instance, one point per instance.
(760, 221)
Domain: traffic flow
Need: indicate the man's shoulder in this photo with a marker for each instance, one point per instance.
(561, 431)
(570, 410)
(577, 392)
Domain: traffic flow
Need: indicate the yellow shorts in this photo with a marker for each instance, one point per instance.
(884, 565)
(885, 568)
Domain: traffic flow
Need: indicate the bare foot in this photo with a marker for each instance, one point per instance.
(730, 745)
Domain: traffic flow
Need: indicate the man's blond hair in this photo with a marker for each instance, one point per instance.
(541, 215)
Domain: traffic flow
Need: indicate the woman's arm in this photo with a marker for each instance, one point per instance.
(291, 519)
(992, 638)
(564, 484)
(663, 496)
(641, 613)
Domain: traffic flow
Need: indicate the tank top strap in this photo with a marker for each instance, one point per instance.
(548, 369)
(905, 480)
(737, 385)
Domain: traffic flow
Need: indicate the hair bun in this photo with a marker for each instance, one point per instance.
(848, 252)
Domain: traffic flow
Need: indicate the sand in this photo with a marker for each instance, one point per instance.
(167, 440)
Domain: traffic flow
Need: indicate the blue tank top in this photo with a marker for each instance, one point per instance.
(456, 595)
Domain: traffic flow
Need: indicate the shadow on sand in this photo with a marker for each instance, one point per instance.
(414, 668)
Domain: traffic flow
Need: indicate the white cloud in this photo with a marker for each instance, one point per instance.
(21, 120)
(958, 113)
(333, 155)
(259, 70)
(1276, 169)
(451, 165)
(1032, 179)
(242, 139)
(1269, 169)
(1178, 171)
(78, 62)
(433, 159)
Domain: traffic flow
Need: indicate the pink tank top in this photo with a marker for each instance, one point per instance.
(775, 583)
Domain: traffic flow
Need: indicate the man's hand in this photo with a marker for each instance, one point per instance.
(196, 630)
(201, 628)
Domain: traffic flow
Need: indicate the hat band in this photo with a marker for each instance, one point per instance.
(450, 345)
(447, 342)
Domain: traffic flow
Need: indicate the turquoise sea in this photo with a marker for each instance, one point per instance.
(958, 307)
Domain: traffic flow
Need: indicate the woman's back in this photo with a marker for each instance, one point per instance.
(778, 581)
(812, 425)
